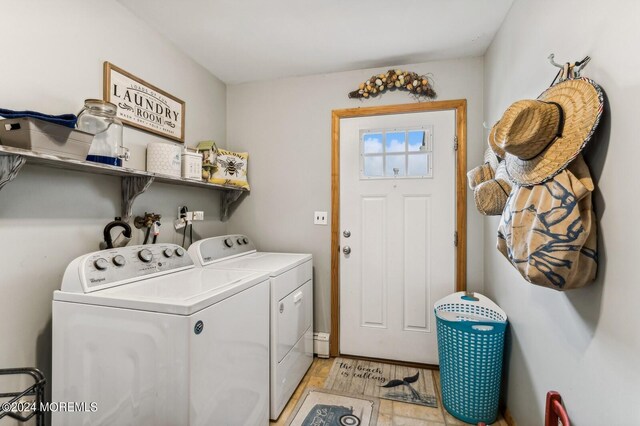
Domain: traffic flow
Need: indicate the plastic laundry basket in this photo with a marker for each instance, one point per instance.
(470, 346)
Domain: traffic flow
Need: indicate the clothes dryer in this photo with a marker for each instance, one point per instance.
(291, 309)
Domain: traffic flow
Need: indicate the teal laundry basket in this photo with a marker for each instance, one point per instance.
(471, 332)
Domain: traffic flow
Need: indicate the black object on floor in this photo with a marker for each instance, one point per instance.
(37, 390)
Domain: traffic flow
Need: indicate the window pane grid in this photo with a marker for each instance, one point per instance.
(407, 151)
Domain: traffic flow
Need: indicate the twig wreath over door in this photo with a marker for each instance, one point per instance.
(417, 85)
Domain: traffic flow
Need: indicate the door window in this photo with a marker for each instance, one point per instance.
(396, 153)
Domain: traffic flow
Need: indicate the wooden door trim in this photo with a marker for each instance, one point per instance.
(460, 107)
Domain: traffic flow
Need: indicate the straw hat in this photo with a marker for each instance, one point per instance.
(479, 174)
(541, 137)
(491, 158)
(484, 172)
(499, 152)
(491, 196)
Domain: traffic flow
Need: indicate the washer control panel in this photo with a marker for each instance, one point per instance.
(214, 249)
(117, 266)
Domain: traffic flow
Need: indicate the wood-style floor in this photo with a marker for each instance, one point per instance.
(391, 413)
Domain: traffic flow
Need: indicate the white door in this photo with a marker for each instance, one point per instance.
(397, 218)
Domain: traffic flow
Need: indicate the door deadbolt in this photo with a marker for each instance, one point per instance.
(346, 233)
(346, 250)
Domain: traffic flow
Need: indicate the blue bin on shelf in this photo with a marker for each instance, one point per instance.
(471, 331)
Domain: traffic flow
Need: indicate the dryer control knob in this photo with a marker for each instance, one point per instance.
(145, 255)
(167, 252)
(228, 242)
(119, 260)
(101, 264)
(239, 241)
(245, 240)
(179, 252)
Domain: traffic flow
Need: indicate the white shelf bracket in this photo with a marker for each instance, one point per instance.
(10, 165)
(132, 186)
(228, 197)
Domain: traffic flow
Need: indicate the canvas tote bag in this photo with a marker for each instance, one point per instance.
(548, 231)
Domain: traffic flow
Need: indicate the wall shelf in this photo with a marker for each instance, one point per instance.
(134, 182)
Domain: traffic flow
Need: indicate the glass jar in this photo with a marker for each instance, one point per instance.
(99, 118)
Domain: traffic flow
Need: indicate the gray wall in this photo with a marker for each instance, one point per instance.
(584, 343)
(52, 61)
(286, 126)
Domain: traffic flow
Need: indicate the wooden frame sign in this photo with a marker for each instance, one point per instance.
(143, 105)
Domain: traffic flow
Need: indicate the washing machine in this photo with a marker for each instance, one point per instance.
(291, 295)
(142, 337)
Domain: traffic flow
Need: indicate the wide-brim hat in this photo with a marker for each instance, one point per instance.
(541, 137)
(491, 158)
(485, 171)
(479, 174)
(491, 196)
(499, 152)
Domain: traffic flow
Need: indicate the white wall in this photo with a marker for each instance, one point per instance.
(52, 61)
(286, 126)
(584, 343)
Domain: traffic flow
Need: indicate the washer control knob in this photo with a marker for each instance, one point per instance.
(228, 242)
(239, 241)
(245, 240)
(101, 264)
(145, 255)
(167, 252)
(179, 252)
(119, 260)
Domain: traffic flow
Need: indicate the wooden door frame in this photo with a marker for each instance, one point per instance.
(460, 107)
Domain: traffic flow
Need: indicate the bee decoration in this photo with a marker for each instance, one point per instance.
(230, 166)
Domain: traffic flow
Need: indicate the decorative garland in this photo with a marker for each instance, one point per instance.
(417, 85)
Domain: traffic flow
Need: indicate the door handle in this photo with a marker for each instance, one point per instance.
(346, 250)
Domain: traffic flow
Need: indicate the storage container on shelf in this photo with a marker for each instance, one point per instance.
(191, 165)
(164, 158)
(99, 118)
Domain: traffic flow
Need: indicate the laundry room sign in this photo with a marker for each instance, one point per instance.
(143, 105)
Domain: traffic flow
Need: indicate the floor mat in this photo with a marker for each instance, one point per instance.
(381, 380)
(330, 408)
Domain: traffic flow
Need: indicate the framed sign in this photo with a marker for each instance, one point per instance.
(143, 105)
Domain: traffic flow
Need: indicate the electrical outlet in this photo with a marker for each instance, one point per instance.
(319, 218)
(199, 215)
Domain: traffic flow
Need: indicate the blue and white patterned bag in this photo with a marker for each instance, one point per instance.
(548, 231)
